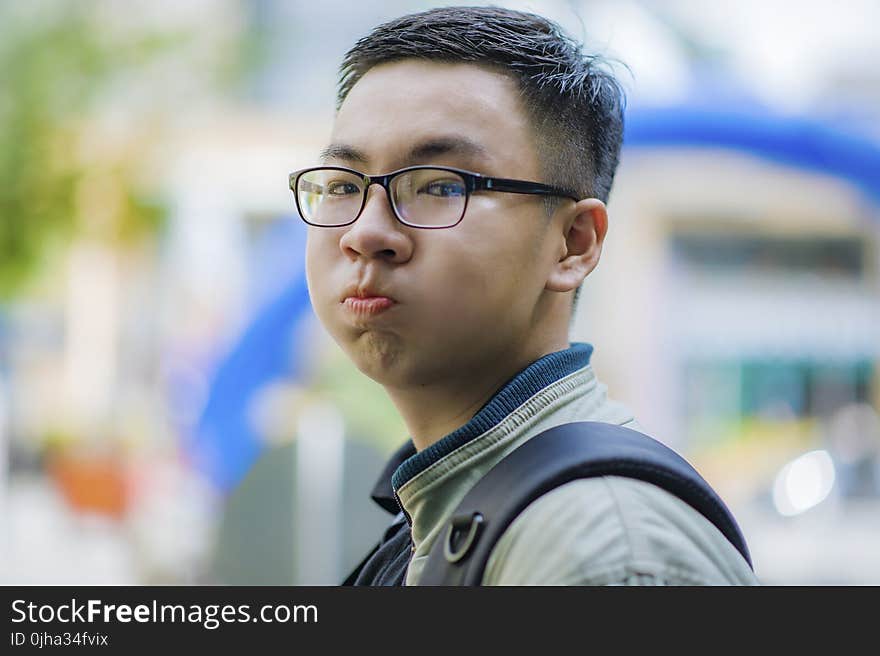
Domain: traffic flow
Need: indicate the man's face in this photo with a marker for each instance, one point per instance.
(464, 297)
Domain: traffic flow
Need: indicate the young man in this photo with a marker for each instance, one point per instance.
(455, 292)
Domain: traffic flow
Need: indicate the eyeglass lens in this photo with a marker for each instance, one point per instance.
(431, 198)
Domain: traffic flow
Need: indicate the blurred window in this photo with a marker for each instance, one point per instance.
(719, 392)
(727, 252)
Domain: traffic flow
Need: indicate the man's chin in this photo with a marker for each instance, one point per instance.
(378, 355)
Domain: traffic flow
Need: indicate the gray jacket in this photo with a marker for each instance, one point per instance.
(599, 531)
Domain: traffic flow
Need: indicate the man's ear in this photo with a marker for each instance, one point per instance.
(584, 229)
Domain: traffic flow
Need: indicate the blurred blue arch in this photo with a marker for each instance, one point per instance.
(225, 442)
(800, 142)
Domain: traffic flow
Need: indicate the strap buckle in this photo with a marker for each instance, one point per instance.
(473, 524)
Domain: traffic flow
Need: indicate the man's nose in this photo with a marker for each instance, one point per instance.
(377, 233)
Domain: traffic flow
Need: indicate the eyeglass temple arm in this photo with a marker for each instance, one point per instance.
(521, 187)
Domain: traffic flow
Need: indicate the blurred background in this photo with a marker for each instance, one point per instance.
(170, 411)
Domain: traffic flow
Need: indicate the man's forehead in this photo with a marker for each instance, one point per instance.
(412, 111)
(407, 79)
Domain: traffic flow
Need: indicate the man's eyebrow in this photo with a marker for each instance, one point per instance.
(343, 151)
(425, 150)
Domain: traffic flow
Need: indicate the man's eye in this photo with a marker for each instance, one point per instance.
(342, 188)
(443, 188)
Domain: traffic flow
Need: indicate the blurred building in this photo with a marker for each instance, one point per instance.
(737, 306)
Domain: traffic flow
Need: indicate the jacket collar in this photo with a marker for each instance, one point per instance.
(383, 492)
(406, 462)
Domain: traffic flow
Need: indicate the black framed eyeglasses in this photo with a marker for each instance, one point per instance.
(421, 196)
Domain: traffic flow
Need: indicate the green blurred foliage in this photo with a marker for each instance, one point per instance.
(55, 62)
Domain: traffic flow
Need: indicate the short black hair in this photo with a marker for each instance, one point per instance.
(572, 100)
(574, 103)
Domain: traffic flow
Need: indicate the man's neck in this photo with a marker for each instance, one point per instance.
(434, 410)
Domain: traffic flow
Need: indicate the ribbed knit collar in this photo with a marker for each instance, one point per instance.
(407, 463)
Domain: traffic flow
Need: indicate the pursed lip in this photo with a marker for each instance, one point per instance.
(365, 300)
(368, 306)
(360, 290)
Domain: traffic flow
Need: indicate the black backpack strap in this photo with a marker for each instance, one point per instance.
(550, 459)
